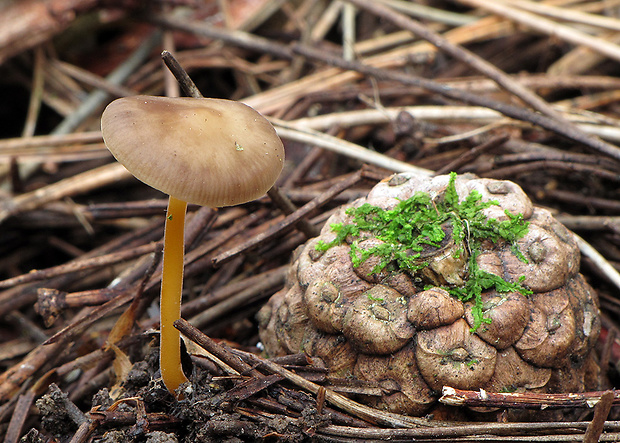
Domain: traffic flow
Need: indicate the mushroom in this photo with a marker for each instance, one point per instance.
(209, 152)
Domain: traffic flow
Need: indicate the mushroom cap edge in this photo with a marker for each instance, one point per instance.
(211, 152)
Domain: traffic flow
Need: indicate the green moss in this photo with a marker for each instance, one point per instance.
(371, 298)
(472, 362)
(418, 223)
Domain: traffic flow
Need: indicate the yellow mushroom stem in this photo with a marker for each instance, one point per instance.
(170, 298)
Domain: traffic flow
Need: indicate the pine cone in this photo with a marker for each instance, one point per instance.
(409, 321)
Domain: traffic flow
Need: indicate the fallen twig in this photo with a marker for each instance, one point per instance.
(527, 400)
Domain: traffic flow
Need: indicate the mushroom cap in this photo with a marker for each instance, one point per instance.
(206, 151)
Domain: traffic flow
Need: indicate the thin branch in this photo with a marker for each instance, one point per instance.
(464, 96)
(600, 262)
(78, 184)
(548, 27)
(80, 265)
(492, 72)
(568, 14)
(522, 400)
(354, 408)
(286, 224)
(343, 147)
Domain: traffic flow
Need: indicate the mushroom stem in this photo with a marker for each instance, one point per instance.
(170, 298)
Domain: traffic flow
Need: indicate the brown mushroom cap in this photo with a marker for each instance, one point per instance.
(206, 151)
